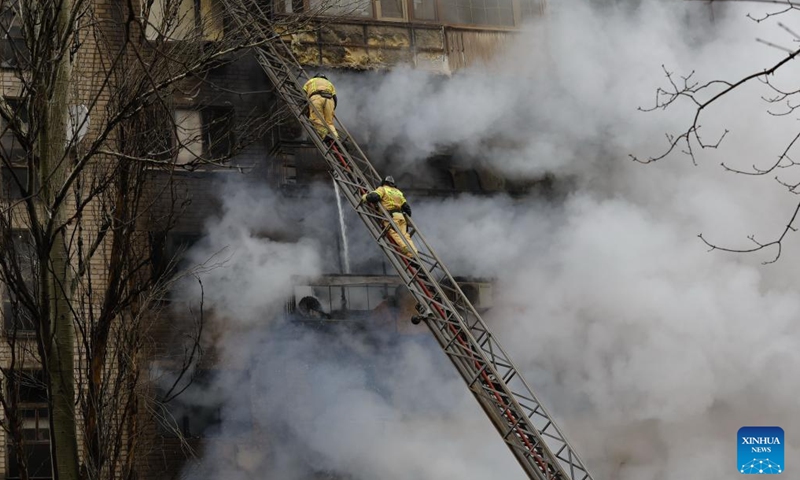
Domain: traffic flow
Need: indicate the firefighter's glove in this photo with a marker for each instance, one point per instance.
(406, 208)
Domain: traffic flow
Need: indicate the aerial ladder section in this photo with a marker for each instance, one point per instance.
(506, 398)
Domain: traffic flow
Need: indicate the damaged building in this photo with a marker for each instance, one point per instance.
(361, 38)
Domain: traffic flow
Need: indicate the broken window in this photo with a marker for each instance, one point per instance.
(301, 166)
(34, 426)
(155, 139)
(168, 252)
(288, 173)
(206, 133)
(188, 136)
(466, 180)
(185, 20)
(218, 131)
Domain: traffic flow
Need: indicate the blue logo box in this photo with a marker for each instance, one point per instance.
(760, 450)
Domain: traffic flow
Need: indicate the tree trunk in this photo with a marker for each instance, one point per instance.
(53, 170)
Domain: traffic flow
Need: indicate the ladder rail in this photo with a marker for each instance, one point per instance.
(277, 50)
(498, 356)
(522, 421)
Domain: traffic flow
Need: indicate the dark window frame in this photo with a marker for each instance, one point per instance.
(12, 42)
(14, 181)
(216, 131)
(168, 251)
(13, 157)
(32, 400)
(17, 320)
(9, 144)
(219, 137)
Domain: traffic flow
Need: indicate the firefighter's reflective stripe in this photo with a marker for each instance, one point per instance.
(391, 198)
(319, 85)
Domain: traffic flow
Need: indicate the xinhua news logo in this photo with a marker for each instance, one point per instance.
(760, 450)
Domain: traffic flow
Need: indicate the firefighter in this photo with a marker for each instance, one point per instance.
(322, 95)
(395, 203)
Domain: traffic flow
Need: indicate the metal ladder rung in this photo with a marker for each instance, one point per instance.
(473, 348)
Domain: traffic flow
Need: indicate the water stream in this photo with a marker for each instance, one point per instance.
(345, 253)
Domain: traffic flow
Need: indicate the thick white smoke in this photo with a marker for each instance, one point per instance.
(246, 274)
(650, 350)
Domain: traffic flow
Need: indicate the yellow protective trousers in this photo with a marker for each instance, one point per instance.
(325, 106)
(400, 220)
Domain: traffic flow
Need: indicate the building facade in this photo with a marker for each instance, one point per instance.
(206, 112)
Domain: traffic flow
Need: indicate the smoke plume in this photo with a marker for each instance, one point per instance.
(650, 349)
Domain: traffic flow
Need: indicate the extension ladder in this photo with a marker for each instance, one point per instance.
(523, 423)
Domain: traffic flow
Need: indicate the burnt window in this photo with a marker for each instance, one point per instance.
(168, 252)
(34, 423)
(152, 135)
(218, 131)
(18, 316)
(466, 180)
(188, 136)
(203, 133)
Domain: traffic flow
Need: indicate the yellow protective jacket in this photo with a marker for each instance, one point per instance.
(319, 85)
(391, 198)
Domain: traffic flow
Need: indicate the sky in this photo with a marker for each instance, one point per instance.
(650, 349)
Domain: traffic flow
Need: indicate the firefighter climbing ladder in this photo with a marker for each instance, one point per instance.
(523, 423)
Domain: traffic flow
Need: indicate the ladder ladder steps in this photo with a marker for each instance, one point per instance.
(461, 332)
